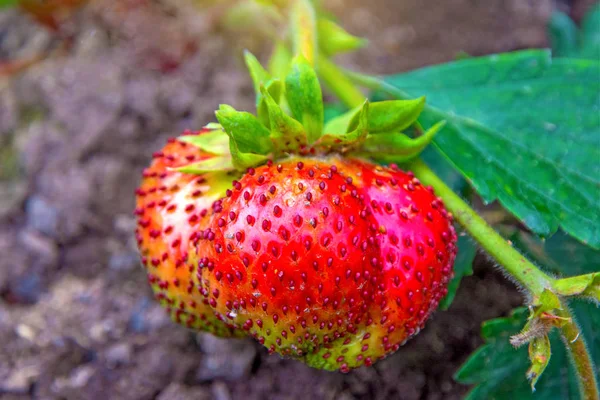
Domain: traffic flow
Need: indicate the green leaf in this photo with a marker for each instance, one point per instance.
(305, 98)
(245, 129)
(392, 115)
(498, 370)
(463, 266)
(398, 147)
(524, 129)
(215, 141)
(584, 285)
(333, 39)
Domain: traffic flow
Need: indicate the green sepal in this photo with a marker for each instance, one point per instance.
(398, 147)
(219, 163)
(259, 75)
(392, 115)
(587, 285)
(287, 134)
(539, 354)
(241, 160)
(305, 98)
(215, 141)
(353, 139)
(333, 39)
(245, 129)
(274, 87)
(341, 122)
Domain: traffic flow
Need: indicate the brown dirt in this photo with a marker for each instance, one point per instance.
(77, 319)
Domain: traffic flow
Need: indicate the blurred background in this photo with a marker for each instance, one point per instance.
(88, 90)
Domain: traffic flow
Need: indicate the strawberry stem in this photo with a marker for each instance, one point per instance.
(304, 28)
(575, 343)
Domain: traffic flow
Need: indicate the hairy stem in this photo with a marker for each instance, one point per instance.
(575, 344)
(519, 267)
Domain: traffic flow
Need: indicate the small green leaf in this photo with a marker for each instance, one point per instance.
(287, 134)
(220, 163)
(215, 141)
(274, 88)
(259, 75)
(305, 98)
(539, 355)
(245, 129)
(334, 39)
(398, 147)
(583, 285)
(392, 115)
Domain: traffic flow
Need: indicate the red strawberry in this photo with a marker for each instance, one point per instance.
(310, 257)
(417, 245)
(331, 260)
(171, 206)
(289, 260)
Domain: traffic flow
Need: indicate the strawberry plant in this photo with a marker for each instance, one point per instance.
(329, 235)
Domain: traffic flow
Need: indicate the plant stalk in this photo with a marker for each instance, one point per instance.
(573, 339)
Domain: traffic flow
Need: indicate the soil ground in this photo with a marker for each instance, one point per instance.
(77, 319)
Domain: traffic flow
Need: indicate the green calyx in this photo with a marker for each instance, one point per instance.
(290, 120)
